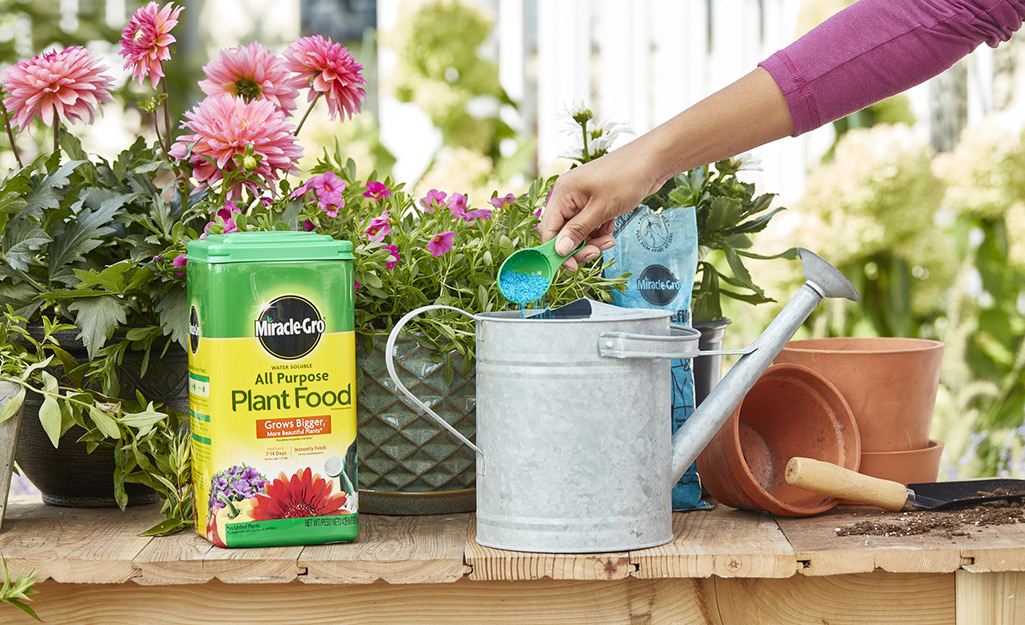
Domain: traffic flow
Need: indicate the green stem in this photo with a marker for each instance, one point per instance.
(56, 135)
(307, 113)
(10, 136)
(585, 154)
(167, 115)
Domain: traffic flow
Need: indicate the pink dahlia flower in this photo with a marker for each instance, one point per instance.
(223, 126)
(441, 243)
(64, 85)
(145, 41)
(254, 73)
(376, 190)
(327, 67)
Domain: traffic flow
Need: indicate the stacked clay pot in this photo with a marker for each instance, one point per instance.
(890, 385)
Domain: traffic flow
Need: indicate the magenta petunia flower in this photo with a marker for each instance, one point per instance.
(145, 41)
(434, 199)
(223, 126)
(376, 190)
(179, 261)
(395, 254)
(503, 202)
(329, 188)
(482, 213)
(379, 227)
(331, 209)
(328, 68)
(253, 73)
(456, 204)
(441, 243)
(308, 225)
(55, 86)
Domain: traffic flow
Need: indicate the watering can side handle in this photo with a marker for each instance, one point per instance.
(681, 343)
(389, 361)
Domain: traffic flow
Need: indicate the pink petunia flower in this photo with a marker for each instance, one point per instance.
(441, 243)
(328, 68)
(329, 188)
(228, 210)
(434, 199)
(356, 285)
(223, 126)
(179, 261)
(395, 254)
(376, 190)
(253, 73)
(456, 204)
(379, 227)
(65, 85)
(503, 202)
(145, 40)
(482, 213)
(308, 225)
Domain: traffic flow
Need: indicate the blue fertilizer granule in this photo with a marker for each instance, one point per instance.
(521, 287)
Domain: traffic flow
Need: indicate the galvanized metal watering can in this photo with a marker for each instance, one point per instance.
(574, 452)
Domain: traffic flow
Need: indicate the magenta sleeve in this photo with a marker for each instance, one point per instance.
(874, 49)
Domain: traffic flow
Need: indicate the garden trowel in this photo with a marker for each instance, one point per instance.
(835, 481)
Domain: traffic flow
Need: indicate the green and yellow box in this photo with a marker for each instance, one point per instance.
(272, 379)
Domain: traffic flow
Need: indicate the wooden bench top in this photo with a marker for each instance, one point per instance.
(102, 546)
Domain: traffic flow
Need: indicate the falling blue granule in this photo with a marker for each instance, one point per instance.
(522, 287)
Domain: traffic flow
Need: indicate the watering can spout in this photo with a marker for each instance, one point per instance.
(821, 280)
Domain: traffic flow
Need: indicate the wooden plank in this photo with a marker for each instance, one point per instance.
(398, 550)
(994, 549)
(878, 598)
(723, 542)
(188, 558)
(623, 602)
(989, 598)
(499, 564)
(822, 552)
(79, 545)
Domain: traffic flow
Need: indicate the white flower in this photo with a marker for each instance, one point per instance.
(747, 161)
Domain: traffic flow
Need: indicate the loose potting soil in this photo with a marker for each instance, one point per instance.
(950, 523)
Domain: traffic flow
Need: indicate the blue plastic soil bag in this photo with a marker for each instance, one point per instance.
(660, 249)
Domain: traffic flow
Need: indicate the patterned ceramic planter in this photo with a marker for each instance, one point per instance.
(407, 464)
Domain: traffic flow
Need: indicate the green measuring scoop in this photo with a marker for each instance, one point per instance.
(526, 274)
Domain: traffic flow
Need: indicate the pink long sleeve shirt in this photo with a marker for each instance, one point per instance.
(874, 49)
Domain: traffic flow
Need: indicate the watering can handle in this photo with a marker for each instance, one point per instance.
(389, 361)
(682, 342)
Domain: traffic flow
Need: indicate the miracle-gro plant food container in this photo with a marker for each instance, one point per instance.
(574, 453)
(272, 378)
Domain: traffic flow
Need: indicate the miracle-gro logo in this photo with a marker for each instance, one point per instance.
(289, 327)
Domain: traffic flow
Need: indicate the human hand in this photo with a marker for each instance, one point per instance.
(586, 200)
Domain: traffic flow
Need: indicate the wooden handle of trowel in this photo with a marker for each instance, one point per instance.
(829, 479)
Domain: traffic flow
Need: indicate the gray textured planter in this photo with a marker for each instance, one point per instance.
(407, 463)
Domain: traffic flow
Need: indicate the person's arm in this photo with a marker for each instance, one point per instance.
(720, 126)
(869, 51)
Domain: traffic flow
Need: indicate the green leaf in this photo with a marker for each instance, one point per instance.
(740, 272)
(49, 382)
(12, 405)
(104, 423)
(173, 312)
(50, 419)
(143, 421)
(98, 317)
(166, 528)
(21, 240)
(46, 194)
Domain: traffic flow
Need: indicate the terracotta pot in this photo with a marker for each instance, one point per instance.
(906, 467)
(790, 411)
(890, 384)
